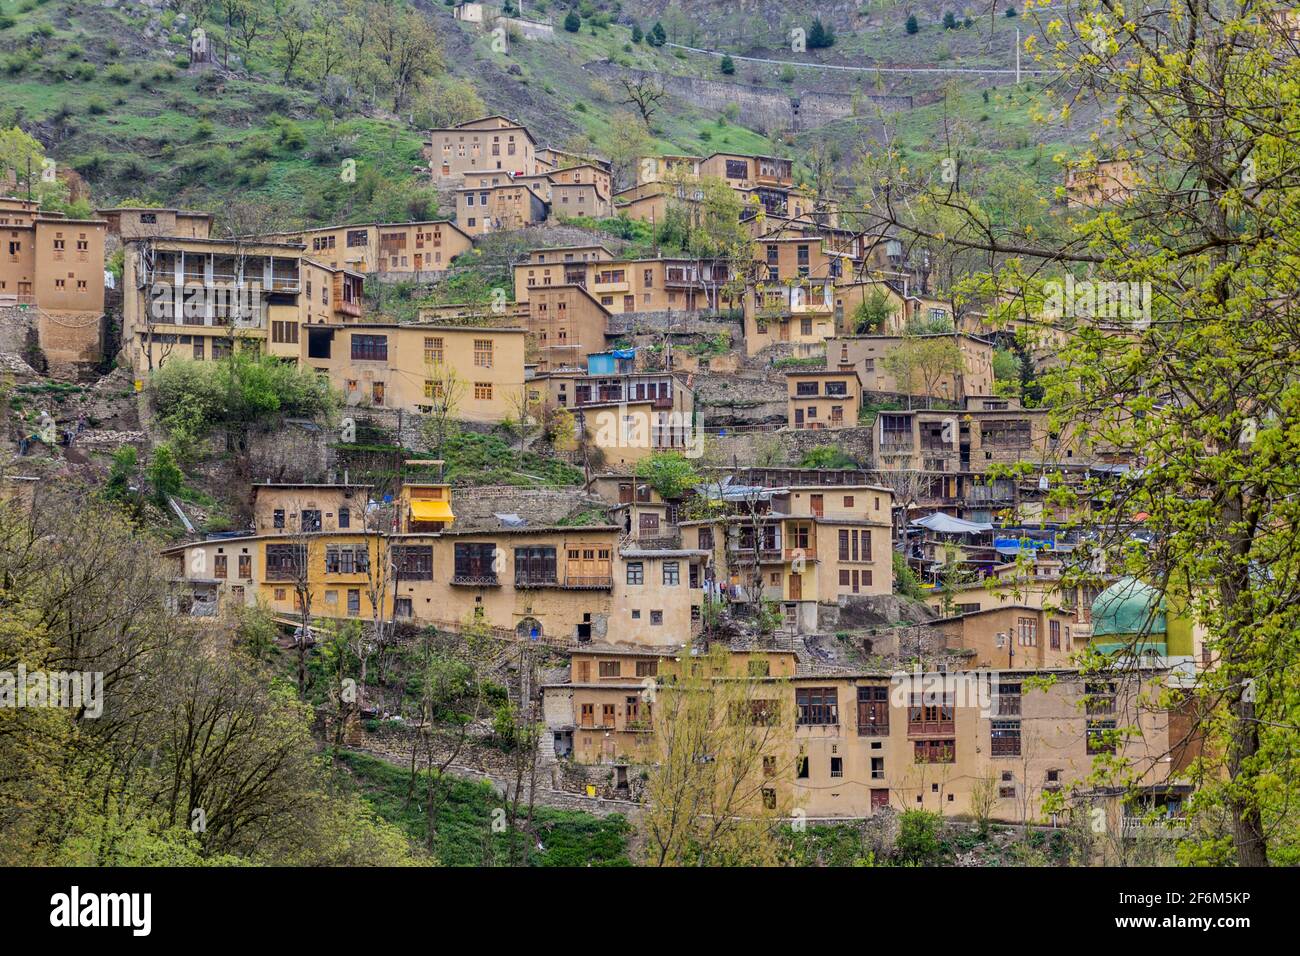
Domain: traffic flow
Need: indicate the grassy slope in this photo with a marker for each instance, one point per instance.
(465, 837)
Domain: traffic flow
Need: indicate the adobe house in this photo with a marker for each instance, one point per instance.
(819, 398)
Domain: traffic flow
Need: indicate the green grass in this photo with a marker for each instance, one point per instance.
(464, 826)
(474, 459)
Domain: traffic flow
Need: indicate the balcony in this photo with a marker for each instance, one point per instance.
(930, 728)
(480, 580)
(575, 581)
(809, 554)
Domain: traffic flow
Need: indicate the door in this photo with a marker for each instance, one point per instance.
(818, 505)
(798, 418)
(649, 524)
(796, 587)
(879, 799)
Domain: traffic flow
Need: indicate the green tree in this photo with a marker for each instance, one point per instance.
(912, 26)
(727, 66)
(670, 473)
(950, 21)
(873, 313)
(658, 36)
(165, 477)
(918, 837)
(573, 22)
(637, 35)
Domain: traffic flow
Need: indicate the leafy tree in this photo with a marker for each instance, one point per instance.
(573, 22)
(873, 313)
(827, 456)
(919, 364)
(670, 473)
(164, 475)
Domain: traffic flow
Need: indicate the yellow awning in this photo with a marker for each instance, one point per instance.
(422, 510)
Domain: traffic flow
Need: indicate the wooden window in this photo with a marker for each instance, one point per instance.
(370, 348)
(483, 391)
(817, 705)
(1005, 738)
(610, 668)
(284, 560)
(935, 751)
(483, 353)
(607, 715)
(219, 566)
(413, 562)
(246, 566)
(635, 572)
(354, 602)
(647, 668)
(873, 711)
(672, 575)
(1054, 634)
(535, 565)
(930, 713)
(433, 350)
(837, 766)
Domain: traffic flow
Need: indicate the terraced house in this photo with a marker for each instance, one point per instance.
(493, 143)
(52, 269)
(412, 250)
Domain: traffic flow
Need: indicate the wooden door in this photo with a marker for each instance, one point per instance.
(796, 587)
(818, 506)
(879, 799)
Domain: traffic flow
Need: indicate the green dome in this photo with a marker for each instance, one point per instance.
(1126, 608)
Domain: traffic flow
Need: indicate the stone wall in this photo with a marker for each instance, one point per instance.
(769, 446)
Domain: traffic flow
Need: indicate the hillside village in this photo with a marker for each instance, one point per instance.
(611, 436)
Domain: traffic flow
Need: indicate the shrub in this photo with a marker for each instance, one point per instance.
(918, 837)
(573, 22)
(727, 66)
(117, 74)
(912, 25)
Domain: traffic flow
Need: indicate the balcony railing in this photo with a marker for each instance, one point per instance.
(809, 553)
(475, 580)
(927, 728)
(594, 581)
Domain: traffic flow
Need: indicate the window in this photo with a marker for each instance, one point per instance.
(801, 765)
(284, 560)
(647, 668)
(873, 711)
(246, 566)
(309, 520)
(413, 562)
(345, 518)
(935, 751)
(347, 559)
(1027, 631)
(656, 618)
(284, 332)
(535, 566)
(483, 353)
(930, 713)
(837, 766)
(1008, 700)
(877, 768)
(672, 576)
(769, 766)
(1099, 698)
(403, 608)
(354, 602)
(610, 668)
(475, 564)
(277, 518)
(1005, 738)
(219, 566)
(1054, 634)
(370, 348)
(635, 572)
(433, 350)
(817, 706)
(483, 391)
(1101, 734)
